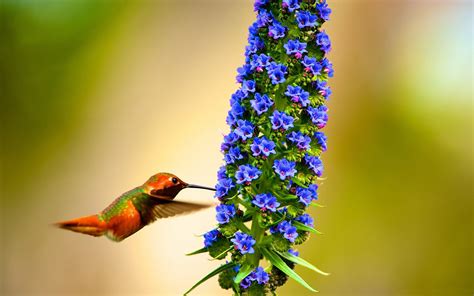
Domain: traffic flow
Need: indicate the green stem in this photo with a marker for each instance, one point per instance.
(257, 233)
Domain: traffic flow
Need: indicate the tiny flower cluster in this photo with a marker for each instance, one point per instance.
(266, 201)
(289, 232)
(262, 147)
(307, 195)
(224, 213)
(272, 153)
(258, 275)
(244, 243)
(298, 95)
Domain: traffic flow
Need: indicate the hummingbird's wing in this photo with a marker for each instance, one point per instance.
(164, 209)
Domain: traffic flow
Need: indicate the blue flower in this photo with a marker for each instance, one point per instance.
(248, 86)
(323, 10)
(255, 43)
(247, 281)
(224, 213)
(246, 173)
(261, 276)
(306, 219)
(283, 226)
(286, 121)
(289, 231)
(315, 164)
(277, 76)
(264, 18)
(318, 115)
(223, 187)
(244, 129)
(323, 89)
(243, 242)
(242, 72)
(259, 62)
(210, 237)
(276, 72)
(297, 95)
(296, 48)
(231, 119)
(323, 41)
(281, 120)
(327, 67)
(237, 110)
(291, 5)
(261, 103)
(237, 97)
(312, 65)
(259, 4)
(253, 30)
(321, 139)
(266, 201)
(294, 252)
(251, 49)
(284, 168)
(229, 139)
(267, 147)
(258, 275)
(256, 147)
(276, 31)
(233, 155)
(305, 195)
(306, 19)
(314, 190)
(301, 140)
(291, 234)
(221, 173)
(262, 146)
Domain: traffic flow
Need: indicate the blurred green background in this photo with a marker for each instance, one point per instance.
(99, 95)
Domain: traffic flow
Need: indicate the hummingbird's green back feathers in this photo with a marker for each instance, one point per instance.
(120, 204)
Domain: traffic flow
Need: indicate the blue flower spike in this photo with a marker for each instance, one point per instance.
(272, 153)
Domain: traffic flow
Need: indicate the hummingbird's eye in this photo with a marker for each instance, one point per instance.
(174, 180)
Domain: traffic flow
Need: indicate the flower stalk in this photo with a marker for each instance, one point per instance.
(272, 153)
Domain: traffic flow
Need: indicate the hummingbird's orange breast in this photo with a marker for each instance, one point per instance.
(124, 224)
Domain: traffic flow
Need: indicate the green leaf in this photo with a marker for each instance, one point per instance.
(280, 218)
(276, 260)
(287, 197)
(236, 288)
(244, 271)
(293, 211)
(301, 262)
(223, 254)
(211, 274)
(219, 248)
(299, 183)
(203, 250)
(301, 226)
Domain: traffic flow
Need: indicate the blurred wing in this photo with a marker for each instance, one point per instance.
(165, 209)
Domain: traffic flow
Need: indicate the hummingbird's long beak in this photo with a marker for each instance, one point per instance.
(200, 187)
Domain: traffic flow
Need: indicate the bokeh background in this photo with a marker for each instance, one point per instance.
(99, 95)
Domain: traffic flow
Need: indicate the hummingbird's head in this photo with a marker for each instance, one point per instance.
(167, 186)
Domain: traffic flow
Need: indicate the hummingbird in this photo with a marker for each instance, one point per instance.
(137, 208)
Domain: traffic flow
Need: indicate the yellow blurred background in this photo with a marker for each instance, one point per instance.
(99, 95)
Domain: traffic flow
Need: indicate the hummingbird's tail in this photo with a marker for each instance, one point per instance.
(90, 225)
